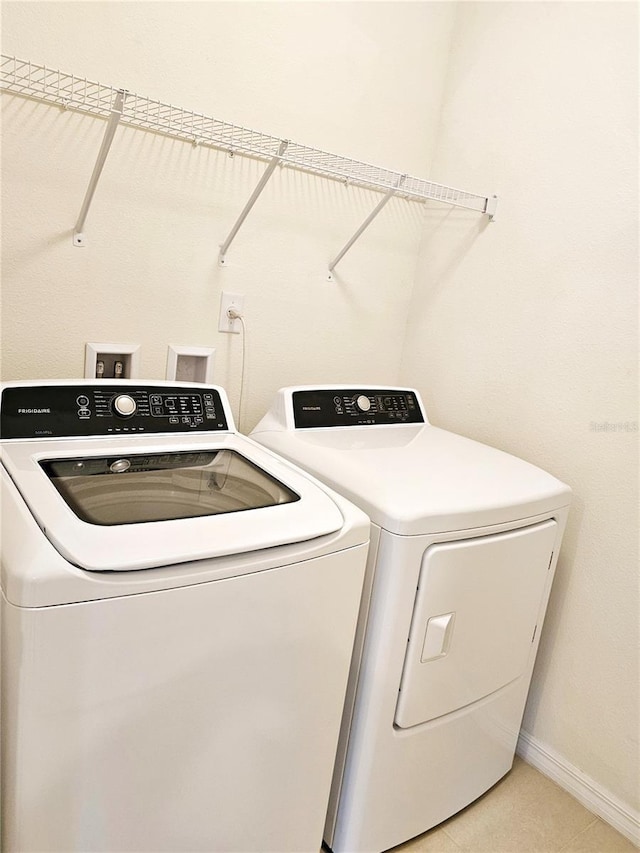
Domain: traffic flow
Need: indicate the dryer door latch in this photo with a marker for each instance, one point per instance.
(437, 638)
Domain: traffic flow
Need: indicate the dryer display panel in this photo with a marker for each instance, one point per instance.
(113, 490)
(355, 407)
(109, 409)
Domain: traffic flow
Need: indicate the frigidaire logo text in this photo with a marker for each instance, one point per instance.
(34, 411)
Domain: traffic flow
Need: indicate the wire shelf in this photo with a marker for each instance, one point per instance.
(25, 78)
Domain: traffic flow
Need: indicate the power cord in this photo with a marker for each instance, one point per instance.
(233, 314)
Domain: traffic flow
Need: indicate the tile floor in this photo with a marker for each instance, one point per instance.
(524, 813)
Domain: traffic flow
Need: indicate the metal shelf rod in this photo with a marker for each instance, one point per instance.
(24, 78)
(252, 200)
(107, 139)
(366, 223)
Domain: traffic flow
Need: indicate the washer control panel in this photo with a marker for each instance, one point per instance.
(355, 407)
(42, 411)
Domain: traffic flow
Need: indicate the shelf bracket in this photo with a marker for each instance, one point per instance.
(491, 207)
(254, 197)
(112, 123)
(387, 197)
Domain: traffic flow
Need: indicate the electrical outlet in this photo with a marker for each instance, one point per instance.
(229, 300)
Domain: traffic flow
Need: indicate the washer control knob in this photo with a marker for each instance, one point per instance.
(363, 403)
(124, 405)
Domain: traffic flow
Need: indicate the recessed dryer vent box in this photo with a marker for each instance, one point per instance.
(111, 361)
(190, 364)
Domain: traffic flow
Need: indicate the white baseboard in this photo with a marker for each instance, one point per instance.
(592, 796)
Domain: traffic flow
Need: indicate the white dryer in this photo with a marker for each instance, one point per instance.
(170, 681)
(464, 545)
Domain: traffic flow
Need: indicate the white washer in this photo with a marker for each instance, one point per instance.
(464, 545)
(170, 681)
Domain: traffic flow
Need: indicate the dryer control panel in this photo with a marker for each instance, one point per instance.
(340, 407)
(58, 410)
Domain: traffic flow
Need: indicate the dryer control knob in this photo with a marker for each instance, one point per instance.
(124, 405)
(363, 403)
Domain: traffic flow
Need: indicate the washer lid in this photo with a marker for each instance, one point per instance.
(420, 479)
(139, 487)
(117, 504)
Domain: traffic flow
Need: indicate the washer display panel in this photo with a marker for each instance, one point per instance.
(116, 490)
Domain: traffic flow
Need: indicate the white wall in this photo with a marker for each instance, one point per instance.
(523, 333)
(345, 77)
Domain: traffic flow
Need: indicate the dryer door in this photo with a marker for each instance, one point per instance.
(474, 618)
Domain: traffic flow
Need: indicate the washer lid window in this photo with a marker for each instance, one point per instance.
(232, 497)
(110, 490)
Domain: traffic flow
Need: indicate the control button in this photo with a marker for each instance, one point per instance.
(124, 405)
(155, 400)
(82, 401)
(157, 410)
(119, 466)
(84, 413)
(174, 420)
(363, 403)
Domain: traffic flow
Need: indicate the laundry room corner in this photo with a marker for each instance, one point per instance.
(523, 334)
(517, 330)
